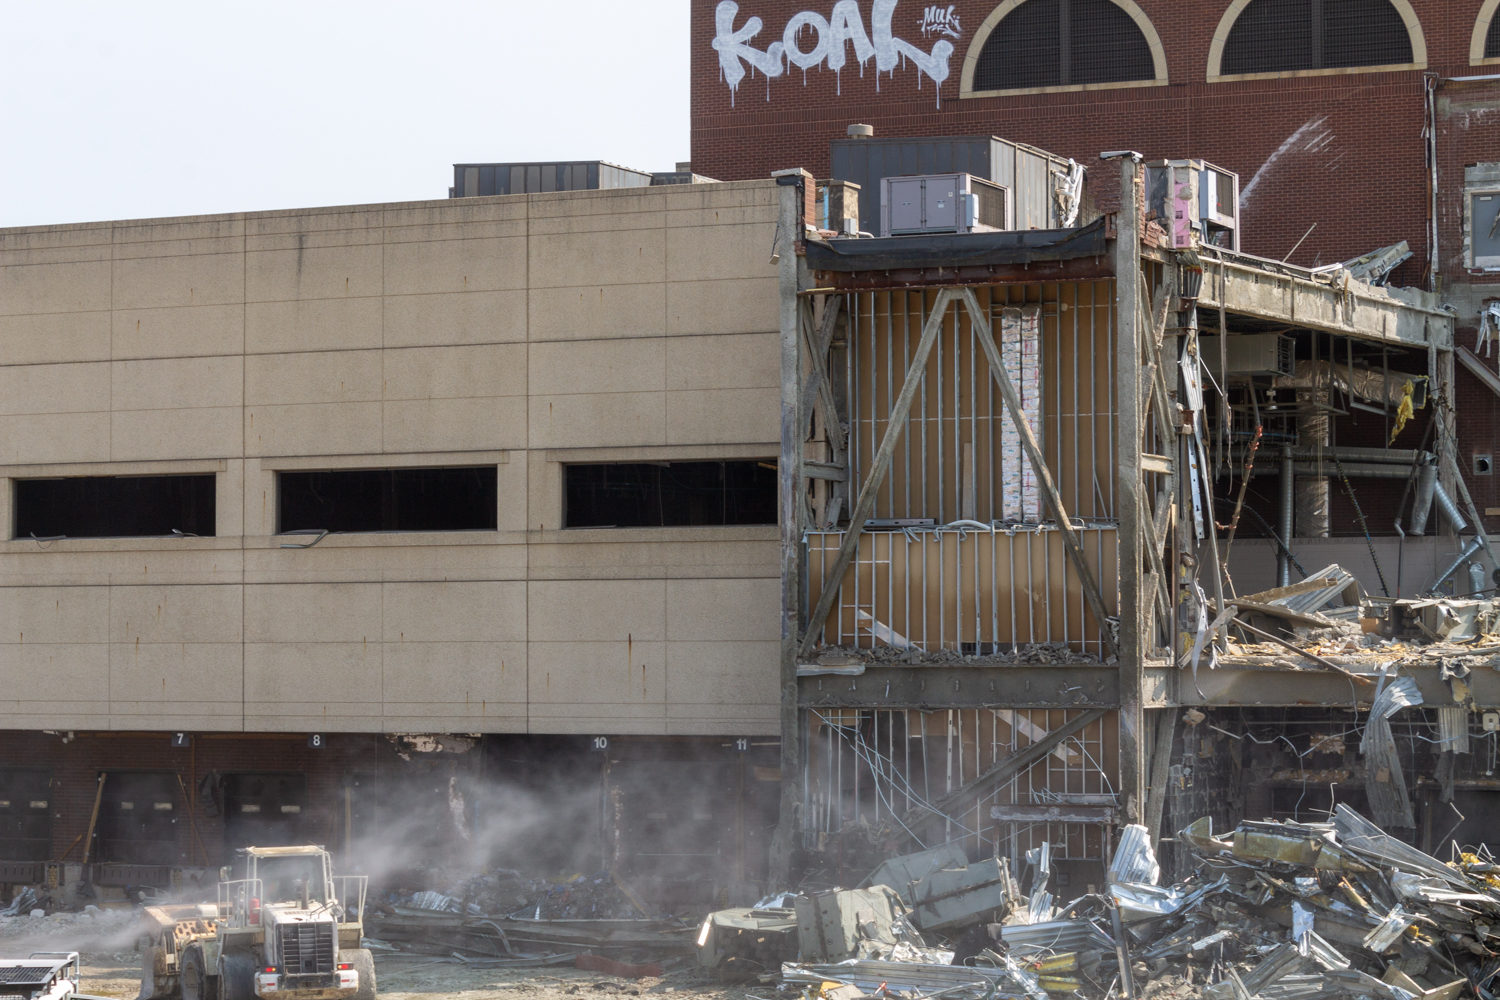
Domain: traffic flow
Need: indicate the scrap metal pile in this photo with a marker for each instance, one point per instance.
(503, 919)
(1277, 911)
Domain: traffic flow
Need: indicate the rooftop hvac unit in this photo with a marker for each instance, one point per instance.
(942, 203)
(1251, 354)
(1191, 196)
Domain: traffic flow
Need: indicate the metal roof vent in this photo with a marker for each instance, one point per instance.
(861, 131)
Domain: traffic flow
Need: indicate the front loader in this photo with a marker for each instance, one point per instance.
(289, 928)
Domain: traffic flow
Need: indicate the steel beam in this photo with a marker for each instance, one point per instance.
(1270, 686)
(1365, 312)
(1076, 269)
(934, 686)
(1130, 500)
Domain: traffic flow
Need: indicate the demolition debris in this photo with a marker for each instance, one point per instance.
(1274, 910)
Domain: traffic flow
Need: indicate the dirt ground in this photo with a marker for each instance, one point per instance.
(417, 976)
(105, 941)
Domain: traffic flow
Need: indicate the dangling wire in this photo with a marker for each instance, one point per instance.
(1360, 514)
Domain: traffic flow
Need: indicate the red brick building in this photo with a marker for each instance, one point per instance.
(1338, 115)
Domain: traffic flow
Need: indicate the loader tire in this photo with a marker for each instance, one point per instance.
(237, 977)
(364, 964)
(197, 984)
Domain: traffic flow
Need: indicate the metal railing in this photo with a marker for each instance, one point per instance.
(346, 888)
(234, 900)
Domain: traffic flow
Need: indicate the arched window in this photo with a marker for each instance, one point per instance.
(1062, 43)
(1484, 44)
(1279, 36)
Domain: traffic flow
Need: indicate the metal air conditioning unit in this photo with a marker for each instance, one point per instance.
(1191, 196)
(943, 203)
(1251, 354)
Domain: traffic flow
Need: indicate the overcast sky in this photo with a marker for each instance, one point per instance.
(131, 110)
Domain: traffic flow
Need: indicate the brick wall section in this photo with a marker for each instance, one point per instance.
(75, 767)
(1468, 132)
(1358, 169)
(1363, 181)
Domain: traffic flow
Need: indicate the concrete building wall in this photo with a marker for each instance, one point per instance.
(524, 332)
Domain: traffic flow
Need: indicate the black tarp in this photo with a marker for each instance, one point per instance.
(956, 250)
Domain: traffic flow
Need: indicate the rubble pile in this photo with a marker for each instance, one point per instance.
(506, 892)
(1276, 911)
(501, 918)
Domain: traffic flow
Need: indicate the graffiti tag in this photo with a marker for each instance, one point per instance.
(830, 40)
(940, 21)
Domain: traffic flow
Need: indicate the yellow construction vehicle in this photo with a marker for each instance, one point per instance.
(286, 927)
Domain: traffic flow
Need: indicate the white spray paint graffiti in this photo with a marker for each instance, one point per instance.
(1309, 133)
(940, 21)
(845, 26)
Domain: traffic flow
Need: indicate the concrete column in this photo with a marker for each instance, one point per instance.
(795, 185)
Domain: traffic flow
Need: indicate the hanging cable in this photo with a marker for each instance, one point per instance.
(1360, 514)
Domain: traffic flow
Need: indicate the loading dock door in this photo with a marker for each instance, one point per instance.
(415, 807)
(264, 809)
(25, 814)
(138, 818)
(674, 819)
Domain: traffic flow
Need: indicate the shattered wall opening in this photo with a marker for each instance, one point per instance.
(883, 782)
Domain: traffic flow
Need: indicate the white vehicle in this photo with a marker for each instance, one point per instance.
(288, 928)
(46, 975)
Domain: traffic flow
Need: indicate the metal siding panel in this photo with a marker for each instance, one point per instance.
(1033, 213)
(911, 159)
(1003, 164)
(926, 156)
(471, 182)
(533, 179)
(486, 180)
(940, 205)
(982, 159)
(594, 179)
(869, 191)
(906, 204)
(943, 156)
(517, 180)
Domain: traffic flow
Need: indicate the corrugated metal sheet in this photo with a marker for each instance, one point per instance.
(1134, 861)
(1059, 936)
(1359, 834)
(902, 977)
(1453, 728)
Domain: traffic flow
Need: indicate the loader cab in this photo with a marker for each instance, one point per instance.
(283, 877)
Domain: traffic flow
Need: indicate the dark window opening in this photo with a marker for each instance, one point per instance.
(1278, 36)
(1059, 43)
(1492, 39)
(25, 814)
(114, 506)
(388, 500)
(670, 494)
